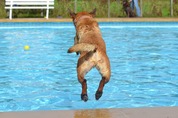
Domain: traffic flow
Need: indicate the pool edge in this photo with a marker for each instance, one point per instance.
(150, 112)
(98, 19)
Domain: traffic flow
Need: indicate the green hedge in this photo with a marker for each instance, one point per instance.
(2, 10)
(150, 8)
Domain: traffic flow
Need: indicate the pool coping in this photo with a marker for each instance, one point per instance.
(152, 112)
(98, 19)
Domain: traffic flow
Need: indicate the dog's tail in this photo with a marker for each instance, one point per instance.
(82, 47)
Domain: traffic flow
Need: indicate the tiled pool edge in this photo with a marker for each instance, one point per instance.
(98, 19)
(155, 112)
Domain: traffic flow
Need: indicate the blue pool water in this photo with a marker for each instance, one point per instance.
(143, 56)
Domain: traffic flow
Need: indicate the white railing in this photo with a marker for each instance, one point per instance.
(29, 4)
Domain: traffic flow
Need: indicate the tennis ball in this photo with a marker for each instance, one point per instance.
(26, 47)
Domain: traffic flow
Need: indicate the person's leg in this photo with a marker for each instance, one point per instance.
(137, 8)
(132, 4)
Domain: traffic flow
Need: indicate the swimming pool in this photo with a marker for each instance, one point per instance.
(144, 62)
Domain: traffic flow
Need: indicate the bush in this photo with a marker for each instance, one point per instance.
(150, 8)
(2, 10)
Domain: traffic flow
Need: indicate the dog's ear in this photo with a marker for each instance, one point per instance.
(93, 13)
(72, 14)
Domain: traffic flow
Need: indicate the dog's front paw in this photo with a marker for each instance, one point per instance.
(84, 97)
(69, 50)
(98, 95)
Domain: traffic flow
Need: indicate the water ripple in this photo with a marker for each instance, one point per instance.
(144, 64)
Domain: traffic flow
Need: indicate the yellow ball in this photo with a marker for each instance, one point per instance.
(26, 47)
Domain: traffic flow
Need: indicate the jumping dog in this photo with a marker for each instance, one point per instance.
(89, 43)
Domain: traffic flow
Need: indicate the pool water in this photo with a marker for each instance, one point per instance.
(143, 56)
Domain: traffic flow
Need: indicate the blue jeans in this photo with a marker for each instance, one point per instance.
(135, 3)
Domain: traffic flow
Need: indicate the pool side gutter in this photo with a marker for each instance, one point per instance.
(162, 112)
(98, 19)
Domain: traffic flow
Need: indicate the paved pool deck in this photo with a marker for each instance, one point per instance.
(152, 112)
(162, 112)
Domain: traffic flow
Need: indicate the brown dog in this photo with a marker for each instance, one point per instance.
(127, 9)
(91, 46)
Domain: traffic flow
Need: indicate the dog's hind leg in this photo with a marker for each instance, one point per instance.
(83, 67)
(99, 91)
(104, 68)
(83, 82)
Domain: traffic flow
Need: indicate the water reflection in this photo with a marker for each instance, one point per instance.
(92, 114)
